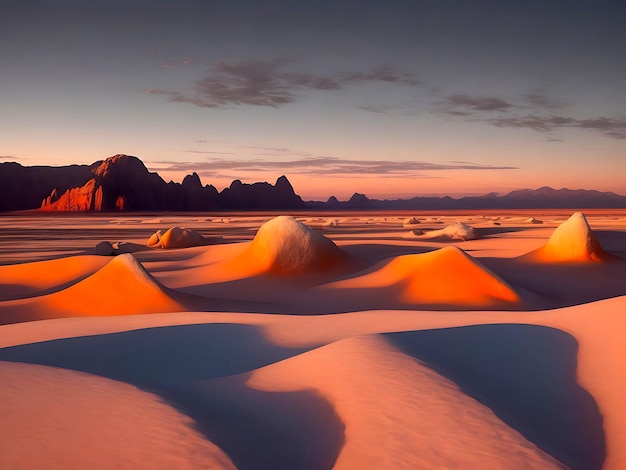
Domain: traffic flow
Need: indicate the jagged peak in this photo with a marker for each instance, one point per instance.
(192, 180)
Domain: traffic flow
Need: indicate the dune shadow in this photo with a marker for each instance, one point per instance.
(266, 430)
(256, 429)
(488, 231)
(613, 241)
(527, 375)
(158, 357)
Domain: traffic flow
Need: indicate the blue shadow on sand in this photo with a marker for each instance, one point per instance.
(527, 375)
(256, 429)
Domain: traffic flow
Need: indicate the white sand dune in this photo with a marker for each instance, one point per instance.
(118, 426)
(375, 389)
(573, 241)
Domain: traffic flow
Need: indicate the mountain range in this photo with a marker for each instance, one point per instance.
(123, 183)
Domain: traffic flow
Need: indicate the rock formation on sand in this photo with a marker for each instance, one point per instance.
(410, 221)
(121, 287)
(176, 237)
(286, 246)
(573, 240)
(458, 231)
(445, 278)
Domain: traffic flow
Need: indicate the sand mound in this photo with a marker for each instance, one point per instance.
(452, 232)
(390, 402)
(122, 287)
(532, 220)
(411, 221)
(56, 418)
(447, 277)
(573, 240)
(285, 246)
(176, 237)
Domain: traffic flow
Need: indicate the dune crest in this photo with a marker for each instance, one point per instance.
(573, 240)
(376, 390)
(121, 287)
(445, 277)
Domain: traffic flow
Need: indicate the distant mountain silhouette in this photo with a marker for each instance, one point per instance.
(541, 198)
(123, 183)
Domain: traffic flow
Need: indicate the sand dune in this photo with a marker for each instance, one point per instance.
(447, 277)
(121, 287)
(573, 241)
(40, 277)
(433, 379)
(119, 425)
(375, 388)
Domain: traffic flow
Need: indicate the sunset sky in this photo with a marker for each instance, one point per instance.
(387, 98)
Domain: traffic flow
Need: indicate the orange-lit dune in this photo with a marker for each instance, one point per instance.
(121, 287)
(573, 241)
(28, 279)
(447, 277)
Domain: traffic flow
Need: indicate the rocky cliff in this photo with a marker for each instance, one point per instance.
(122, 182)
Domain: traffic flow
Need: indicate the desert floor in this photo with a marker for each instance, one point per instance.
(271, 347)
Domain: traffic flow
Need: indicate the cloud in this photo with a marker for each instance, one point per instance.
(8, 157)
(208, 152)
(324, 166)
(533, 111)
(465, 103)
(541, 101)
(270, 83)
(609, 127)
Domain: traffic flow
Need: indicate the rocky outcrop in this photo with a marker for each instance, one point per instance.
(123, 183)
(24, 187)
(261, 196)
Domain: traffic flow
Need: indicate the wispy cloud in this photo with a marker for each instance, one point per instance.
(471, 104)
(8, 157)
(541, 101)
(610, 127)
(533, 111)
(208, 152)
(323, 166)
(270, 83)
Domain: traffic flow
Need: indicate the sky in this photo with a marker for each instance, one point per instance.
(390, 98)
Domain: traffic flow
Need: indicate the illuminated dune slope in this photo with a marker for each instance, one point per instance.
(446, 277)
(122, 287)
(28, 279)
(573, 240)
